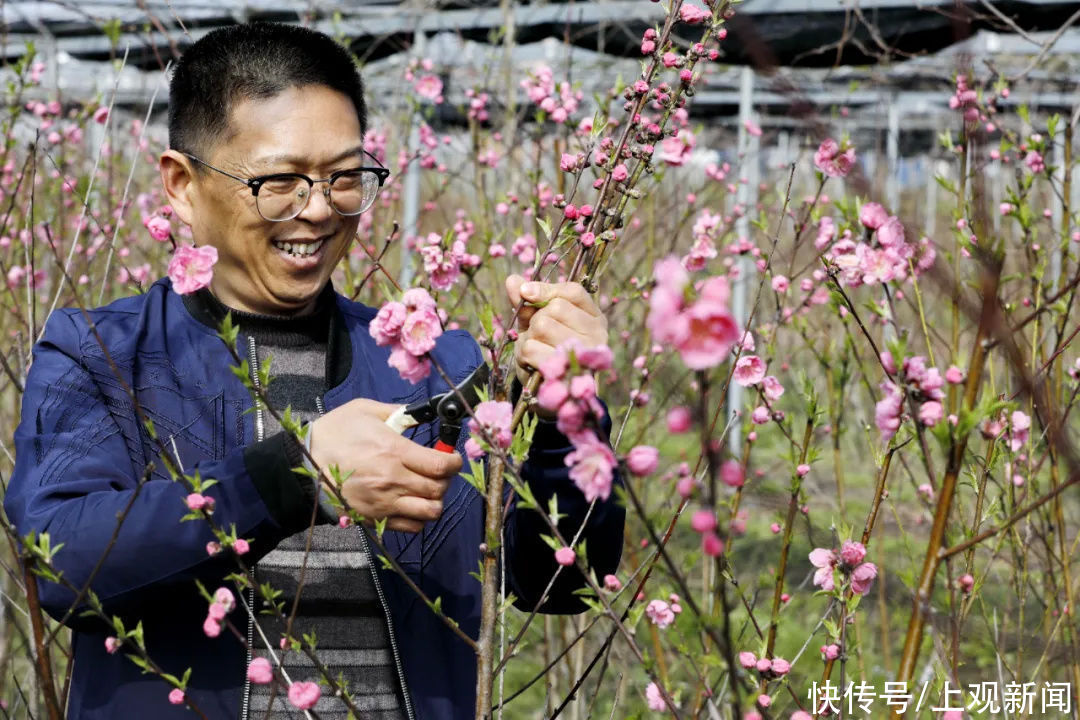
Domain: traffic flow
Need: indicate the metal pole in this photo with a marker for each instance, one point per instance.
(892, 149)
(1058, 207)
(411, 193)
(746, 196)
(892, 186)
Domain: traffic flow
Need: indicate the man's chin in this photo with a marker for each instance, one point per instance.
(292, 300)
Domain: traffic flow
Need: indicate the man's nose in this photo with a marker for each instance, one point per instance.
(318, 208)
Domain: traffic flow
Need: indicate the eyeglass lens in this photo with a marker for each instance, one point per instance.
(284, 197)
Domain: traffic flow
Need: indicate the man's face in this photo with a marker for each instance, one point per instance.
(312, 130)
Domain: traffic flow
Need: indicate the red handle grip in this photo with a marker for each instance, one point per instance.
(444, 447)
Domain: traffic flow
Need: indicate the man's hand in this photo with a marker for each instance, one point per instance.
(559, 312)
(392, 476)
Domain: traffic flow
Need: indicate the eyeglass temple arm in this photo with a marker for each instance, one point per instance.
(253, 183)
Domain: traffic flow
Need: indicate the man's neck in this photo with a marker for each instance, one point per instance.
(234, 302)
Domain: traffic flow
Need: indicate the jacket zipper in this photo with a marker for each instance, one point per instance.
(259, 430)
(385, 606)
(367, 551)
(389, 623)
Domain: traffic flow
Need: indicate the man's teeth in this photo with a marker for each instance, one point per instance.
(299, 249)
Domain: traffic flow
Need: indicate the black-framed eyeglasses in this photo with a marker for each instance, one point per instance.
(283, 196)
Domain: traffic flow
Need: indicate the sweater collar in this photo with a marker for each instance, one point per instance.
(324, 325)
(268, 329)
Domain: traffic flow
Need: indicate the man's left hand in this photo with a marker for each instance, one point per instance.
(554, 313)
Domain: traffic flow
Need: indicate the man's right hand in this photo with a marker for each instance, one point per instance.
(392, 476)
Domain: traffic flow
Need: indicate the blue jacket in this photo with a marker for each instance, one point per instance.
(80, 454)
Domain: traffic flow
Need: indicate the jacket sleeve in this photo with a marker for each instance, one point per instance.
(531, 561)
(74, 475)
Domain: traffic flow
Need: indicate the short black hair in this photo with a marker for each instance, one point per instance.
(250, 61)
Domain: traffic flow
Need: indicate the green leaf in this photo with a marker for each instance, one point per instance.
(111, 28)
(545, 228)
(140, 663)
(946, 184)
(553, 510)
(1051, 124)
(487, 320)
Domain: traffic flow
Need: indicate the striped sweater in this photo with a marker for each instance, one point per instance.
(338, 600)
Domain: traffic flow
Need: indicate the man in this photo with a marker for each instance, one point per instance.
(251, 107)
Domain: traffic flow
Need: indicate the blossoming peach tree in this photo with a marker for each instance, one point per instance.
(902, 456)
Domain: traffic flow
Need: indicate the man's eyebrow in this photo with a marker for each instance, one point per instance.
(295, 160)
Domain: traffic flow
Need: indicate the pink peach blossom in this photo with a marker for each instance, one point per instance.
(678, 419)
(409, 366)
(430, 87)
(420, 330)
(211, 627)
(591, 464)
(872, 215)
(930, 413)
(862, 577)
(711, 544)
(192, 268)
(196, 501)
(304, 695)
(1019, 430)
(565, 556)
(599, 357)
(552, 394)
(731, 473)
(224, 597)
(385, 327)
(642, 460)
(417, 299)
(852, 553)
(966, 582)
(1035, 162)
(703, 521)
(654, 698)
(833, 162)
(824, 560)
(711, 333)
(887, 411)
(160, 228)
(772, 387)
(693, 15)
(749, 370)
(493, 417)
(260, 671)
(659, 612)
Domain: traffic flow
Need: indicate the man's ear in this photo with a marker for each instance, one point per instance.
(177, 177)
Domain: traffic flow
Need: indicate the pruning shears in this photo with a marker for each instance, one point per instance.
(446, 407)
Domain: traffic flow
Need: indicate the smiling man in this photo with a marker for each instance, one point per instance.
(266, 164)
